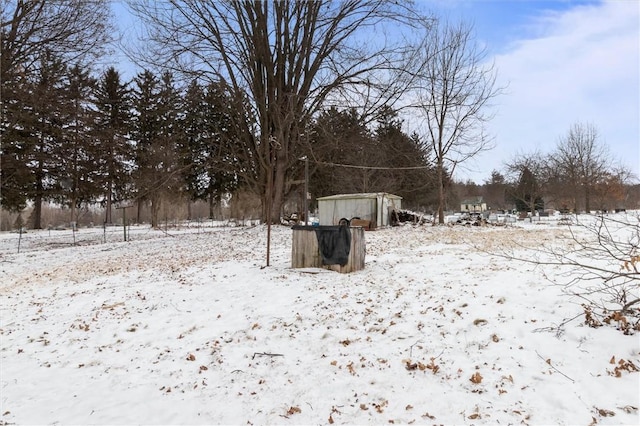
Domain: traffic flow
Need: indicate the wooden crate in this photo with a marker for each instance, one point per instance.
(305, 252)
(366, 224)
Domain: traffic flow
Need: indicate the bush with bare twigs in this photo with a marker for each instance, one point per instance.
(599, 258)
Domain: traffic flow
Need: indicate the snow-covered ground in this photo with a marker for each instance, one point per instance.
(188, 326)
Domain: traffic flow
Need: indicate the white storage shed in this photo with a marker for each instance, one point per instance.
(375, 207)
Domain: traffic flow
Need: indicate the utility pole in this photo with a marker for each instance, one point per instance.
(306, 190)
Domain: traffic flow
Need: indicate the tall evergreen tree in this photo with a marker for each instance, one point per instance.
(113, 100)
(351, 158)
(221, 164)
(527, 194)
(192, 124)
(16, 127)
(495, 191)
(339, 137)
(144, 133)
(209, 162)
(410, 174)
(79, 151)
(167, 180)
(48, 99)
(155, 133)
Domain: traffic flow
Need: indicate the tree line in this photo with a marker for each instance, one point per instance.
(231, 96)
(578, 175)
(78, 140)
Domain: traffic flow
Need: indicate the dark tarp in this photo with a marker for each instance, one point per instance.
(334, 244)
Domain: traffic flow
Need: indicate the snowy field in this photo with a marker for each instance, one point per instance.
(187, 326)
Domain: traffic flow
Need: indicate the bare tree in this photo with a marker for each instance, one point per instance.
(73, 29)
(609, 192)
(287, 58)
(454, 88)
(582, 161)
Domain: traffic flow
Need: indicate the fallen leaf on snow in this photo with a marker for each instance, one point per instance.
(293, 410)
(476, 378)
(605, 413)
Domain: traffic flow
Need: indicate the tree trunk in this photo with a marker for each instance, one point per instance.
(107, 217)
(37, 201)
(441, 192)
(37, 211)
(219, 214)
(155, 209)
(587, 199)
(139, 210)
(278, 191)
(73, 207)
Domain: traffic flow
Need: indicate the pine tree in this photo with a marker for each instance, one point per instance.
(400, 151)
(167, 180)
(340, 137)
(47, 101)
(191, 158)
(113, 100)
(219, 160)
(144, 132)
(527, 194)
(32, 82)
(79, 152)
(155, 132)
(17, 139)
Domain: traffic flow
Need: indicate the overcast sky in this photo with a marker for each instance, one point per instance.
(562, 62)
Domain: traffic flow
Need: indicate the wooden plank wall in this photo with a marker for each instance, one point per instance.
(306, 254)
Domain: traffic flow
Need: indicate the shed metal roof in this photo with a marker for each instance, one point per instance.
(362, 195)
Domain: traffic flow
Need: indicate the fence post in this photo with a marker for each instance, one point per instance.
(19, 239)
(124, 219)
(73, 231)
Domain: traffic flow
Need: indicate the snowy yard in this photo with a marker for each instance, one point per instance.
(191, 328)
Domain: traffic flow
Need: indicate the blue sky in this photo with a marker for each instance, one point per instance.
(563, 62)
(500, 22)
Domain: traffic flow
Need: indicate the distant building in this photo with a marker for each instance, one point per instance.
(374, 207)
(473, 205)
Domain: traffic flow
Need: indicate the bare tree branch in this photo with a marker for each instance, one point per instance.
(453, 89)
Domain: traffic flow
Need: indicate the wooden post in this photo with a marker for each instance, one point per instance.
(19, 238)
(124, 219)
(306, 190)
